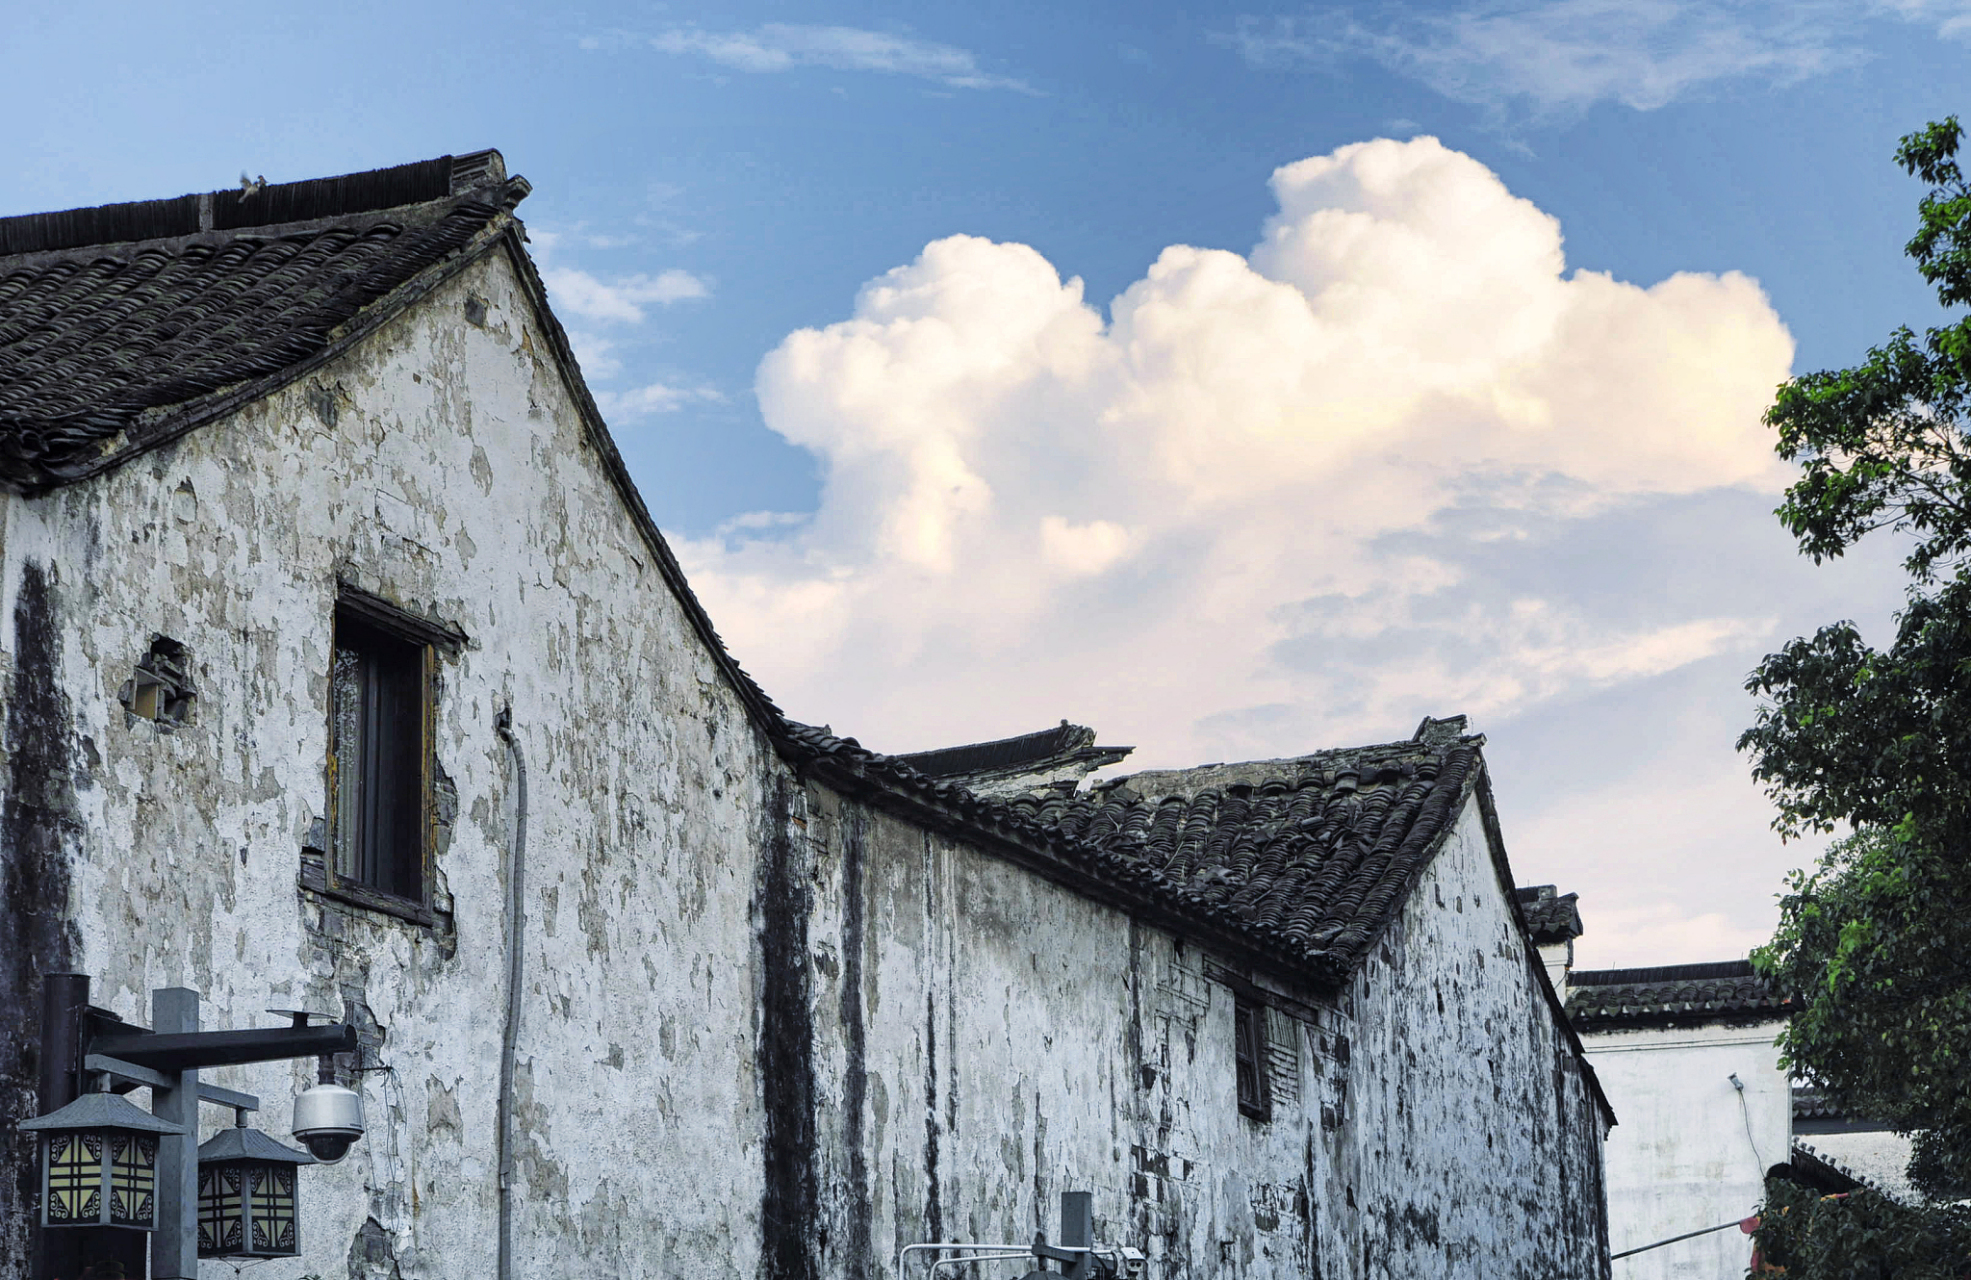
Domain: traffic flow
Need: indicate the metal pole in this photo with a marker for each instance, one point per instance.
(174, 1246)
(64, 996)
(1688, 1235)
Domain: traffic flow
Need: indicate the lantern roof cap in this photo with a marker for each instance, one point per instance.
(241, 1143)
(101, 1111)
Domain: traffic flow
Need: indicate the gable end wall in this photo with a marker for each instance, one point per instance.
(1478, 1139)
(443, 466)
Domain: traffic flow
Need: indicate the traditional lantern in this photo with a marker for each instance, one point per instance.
(246, 1195)
(99, 1163)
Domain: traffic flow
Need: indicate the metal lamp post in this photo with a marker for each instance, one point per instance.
(80, 1042)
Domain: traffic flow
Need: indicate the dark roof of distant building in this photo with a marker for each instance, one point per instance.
(1814, 1111)
(114, 319)
(1672, 995)
(1550, 918)
(1065, 744)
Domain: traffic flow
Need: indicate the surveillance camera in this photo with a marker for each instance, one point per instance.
(327, 1120)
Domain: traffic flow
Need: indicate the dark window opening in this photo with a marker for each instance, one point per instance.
(160, 689)
(1249, 1057)
(379, 758)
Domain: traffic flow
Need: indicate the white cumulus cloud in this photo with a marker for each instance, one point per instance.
(781, 46)
(1268, 502)
(622, 299)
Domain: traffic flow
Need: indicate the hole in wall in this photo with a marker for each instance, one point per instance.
(160, 689)
(475, 311)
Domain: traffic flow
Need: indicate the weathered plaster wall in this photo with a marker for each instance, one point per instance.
(440, 465)
(986, 1040)
(1557, 958)
(1691, 1151)
(1476, 1145)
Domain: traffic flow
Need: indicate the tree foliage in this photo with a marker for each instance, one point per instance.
(1861, 1236)
(1883, 445)
(1874, 944)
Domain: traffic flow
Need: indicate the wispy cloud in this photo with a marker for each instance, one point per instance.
(622, 299)
(655, 397)
(596, 354)
(1561, 56)
(780, 46)
(1952, 18)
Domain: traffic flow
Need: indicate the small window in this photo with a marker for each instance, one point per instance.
(379, 757)
(1249, 1056)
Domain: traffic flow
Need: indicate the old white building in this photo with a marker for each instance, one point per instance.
(345, 670)
(1688, 1056)
(1687, 1052)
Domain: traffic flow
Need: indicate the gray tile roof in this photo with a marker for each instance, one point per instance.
(1672, 995)
(1306, 866)
(110, 317)
(1316, 852)
(1550, 918)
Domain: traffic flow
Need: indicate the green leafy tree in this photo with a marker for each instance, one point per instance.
(1875, 942)
(1861, 1236)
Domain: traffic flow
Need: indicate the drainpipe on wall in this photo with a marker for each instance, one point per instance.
(516, 920)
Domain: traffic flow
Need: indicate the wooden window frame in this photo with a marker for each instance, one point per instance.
(430, 640)
(1249, 1027)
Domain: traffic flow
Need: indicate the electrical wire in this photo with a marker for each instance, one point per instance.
(1745, 1110)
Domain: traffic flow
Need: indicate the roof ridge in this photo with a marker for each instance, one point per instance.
(1662, 973)
(1841, 1168)
(1001, 753)
(1329, 756)
(256, 204)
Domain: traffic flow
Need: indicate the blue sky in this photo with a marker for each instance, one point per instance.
(710, 181)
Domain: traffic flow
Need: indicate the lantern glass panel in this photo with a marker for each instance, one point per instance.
(219, 1210)
(133, 1180)
(273, 1209)
(75, 1178)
